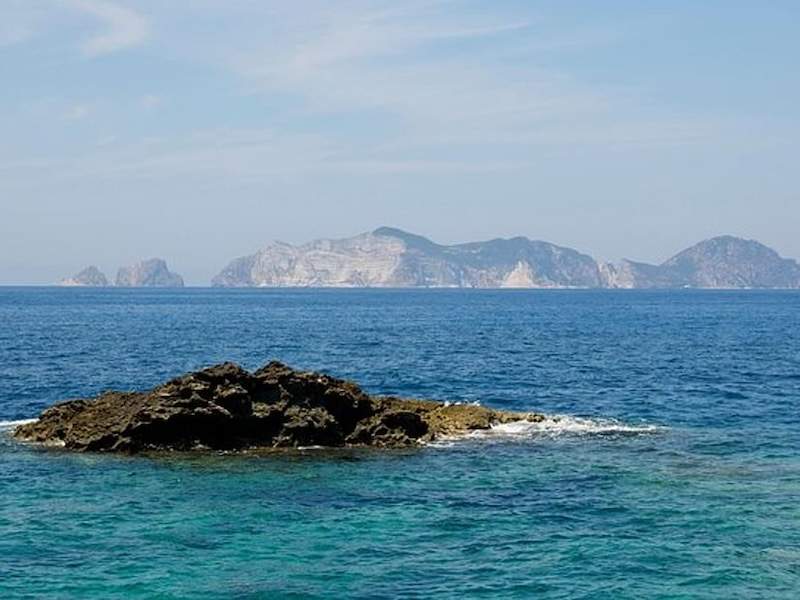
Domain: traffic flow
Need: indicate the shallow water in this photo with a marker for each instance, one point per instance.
(670, 467)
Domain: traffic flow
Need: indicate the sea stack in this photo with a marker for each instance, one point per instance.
(228, 408)
(89, 277)
(148, 273)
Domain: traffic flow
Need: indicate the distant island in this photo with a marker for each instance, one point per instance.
(392, 258)
(89, 277)
(389, 257)
(147, 273)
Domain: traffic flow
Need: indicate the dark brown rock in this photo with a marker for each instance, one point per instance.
(228, 408)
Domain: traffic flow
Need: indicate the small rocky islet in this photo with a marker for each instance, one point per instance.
(153, 272)
(226, 407)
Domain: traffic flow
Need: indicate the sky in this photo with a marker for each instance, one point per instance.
(201, 130)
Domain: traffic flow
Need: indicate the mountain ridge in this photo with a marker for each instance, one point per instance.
(391, 257)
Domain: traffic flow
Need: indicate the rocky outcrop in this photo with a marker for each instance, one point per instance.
(722, 262)
(390, 257)
(148, 273)
(227, 408)
(89, 277)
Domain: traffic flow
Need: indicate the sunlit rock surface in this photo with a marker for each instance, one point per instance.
(390, 257)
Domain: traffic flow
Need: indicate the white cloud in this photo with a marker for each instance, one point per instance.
(436, 72)
(385, 86)
(124, 27)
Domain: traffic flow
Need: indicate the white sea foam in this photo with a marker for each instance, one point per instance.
(566, 424)
(462, 403)
(13, 424)
(554, 426)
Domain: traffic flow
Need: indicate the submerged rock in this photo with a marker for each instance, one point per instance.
(225, 407)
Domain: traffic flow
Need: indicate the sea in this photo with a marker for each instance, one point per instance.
(668, 465)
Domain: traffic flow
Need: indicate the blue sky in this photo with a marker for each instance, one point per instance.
(201, 130)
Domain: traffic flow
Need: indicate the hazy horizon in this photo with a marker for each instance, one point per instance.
(201, 131)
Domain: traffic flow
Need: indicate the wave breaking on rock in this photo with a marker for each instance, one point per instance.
(550, 427)
(225, 407)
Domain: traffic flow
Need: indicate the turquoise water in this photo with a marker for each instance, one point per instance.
(673, 473)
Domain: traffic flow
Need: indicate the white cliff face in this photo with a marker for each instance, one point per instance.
(521, 277)
(392, 258)
(617, 276)
(366, 260)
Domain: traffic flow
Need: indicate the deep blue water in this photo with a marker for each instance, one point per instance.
(676, 473)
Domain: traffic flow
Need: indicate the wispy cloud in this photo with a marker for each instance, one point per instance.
(124, 27)
(437, 73)
(264, 155)
(389, 87)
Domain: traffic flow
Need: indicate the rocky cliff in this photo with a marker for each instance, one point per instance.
(148, 273)
(390, 257)
(89, 277)
(721, 262)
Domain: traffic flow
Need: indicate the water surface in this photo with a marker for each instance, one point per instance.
(674, 473)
